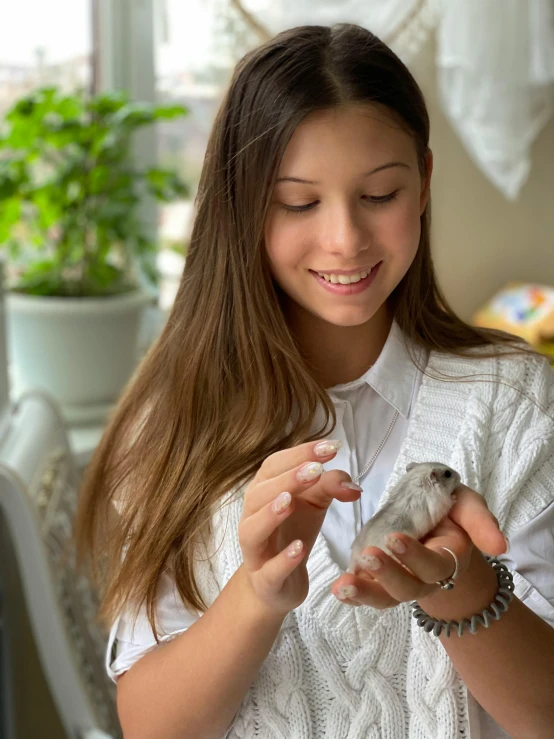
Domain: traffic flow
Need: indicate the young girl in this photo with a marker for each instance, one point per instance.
(309, 310)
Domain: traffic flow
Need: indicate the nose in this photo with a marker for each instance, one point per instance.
(344, 232)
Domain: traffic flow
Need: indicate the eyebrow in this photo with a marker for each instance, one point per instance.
(389, 165)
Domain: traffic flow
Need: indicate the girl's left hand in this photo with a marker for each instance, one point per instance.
(468, 523)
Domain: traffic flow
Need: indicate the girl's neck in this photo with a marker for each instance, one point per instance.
(339, 354)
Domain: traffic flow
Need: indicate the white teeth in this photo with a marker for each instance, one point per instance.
(343, 279)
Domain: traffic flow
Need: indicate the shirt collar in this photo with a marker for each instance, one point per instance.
(393, 375)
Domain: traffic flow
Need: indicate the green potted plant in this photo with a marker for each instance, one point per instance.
(80, 260)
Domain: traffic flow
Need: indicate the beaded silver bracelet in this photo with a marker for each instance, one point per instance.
(499, 605)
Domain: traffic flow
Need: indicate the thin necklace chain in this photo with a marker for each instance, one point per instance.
(379, 448)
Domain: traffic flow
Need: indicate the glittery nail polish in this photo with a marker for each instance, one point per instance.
(396, 545)
(347, 591)
(281, 502)
(329, 446)
(370, 562)
(309, 472)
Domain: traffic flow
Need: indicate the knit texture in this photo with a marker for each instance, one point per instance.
(341, 672)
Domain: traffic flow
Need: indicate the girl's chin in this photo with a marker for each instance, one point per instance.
(345, 317)
(336, 315)
(347, 322)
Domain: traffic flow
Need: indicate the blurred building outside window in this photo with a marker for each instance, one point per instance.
(44, 44)
(197, 46)
(36, 49)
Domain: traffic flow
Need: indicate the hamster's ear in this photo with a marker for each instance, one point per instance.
(410, 466)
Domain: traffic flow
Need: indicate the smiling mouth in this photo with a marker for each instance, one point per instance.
(346, 272)
(345, 285)
(344, 277)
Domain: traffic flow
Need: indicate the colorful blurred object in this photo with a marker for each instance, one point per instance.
(524, 310)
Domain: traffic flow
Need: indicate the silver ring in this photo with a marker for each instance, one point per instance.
(448, 583)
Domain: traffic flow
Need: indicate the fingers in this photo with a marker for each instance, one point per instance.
(255, 530)
(429, 564)
(472, 513)
(268, 568)
(386, 582)
(357, 590)
(319, 489)
(286, 459)
(292, 480)
(305, 485)
(278, 568)
(402, 584)
(323, 486)
(256, 527)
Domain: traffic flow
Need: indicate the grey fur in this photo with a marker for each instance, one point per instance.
(421, 498)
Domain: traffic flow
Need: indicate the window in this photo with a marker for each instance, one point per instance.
(198, 44)
(44, 43)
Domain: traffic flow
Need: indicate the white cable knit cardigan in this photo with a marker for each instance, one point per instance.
(340, 672)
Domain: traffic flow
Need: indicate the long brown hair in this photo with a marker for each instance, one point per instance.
(225, 380)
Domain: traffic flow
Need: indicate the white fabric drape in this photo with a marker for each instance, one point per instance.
(496, 72)
(405, 24)
(495, 65)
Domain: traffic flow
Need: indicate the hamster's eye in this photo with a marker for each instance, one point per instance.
(448, 473)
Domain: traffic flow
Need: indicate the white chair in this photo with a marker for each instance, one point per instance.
(38, 492)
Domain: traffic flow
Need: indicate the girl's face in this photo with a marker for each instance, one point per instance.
(349, 202)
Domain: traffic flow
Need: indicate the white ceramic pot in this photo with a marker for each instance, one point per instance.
(81, 350)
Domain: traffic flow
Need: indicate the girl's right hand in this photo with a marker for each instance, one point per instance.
(279, 577)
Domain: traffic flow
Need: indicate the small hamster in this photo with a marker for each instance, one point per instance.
(421, 498)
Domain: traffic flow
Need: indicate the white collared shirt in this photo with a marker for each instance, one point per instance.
(365, 409)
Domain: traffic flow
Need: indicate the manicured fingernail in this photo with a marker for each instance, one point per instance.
(347, 591)
(396, 545)
(281, 502)
(325, 448)
(351, 486)
(370, 562)
(309, 471)
(295, 548)
(507, 544)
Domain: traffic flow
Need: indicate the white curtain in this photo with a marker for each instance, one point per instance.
(496, 72)
(402, 23)
(495, 65)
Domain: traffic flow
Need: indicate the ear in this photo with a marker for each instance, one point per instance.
(426, 181)
(410, 466)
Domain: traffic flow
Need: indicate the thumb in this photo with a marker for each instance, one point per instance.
(337, 484)
(473, 515)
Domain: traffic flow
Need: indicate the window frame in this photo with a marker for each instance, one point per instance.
(124, 34)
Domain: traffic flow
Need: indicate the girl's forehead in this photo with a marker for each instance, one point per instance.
(353, 113)
(366, 130)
